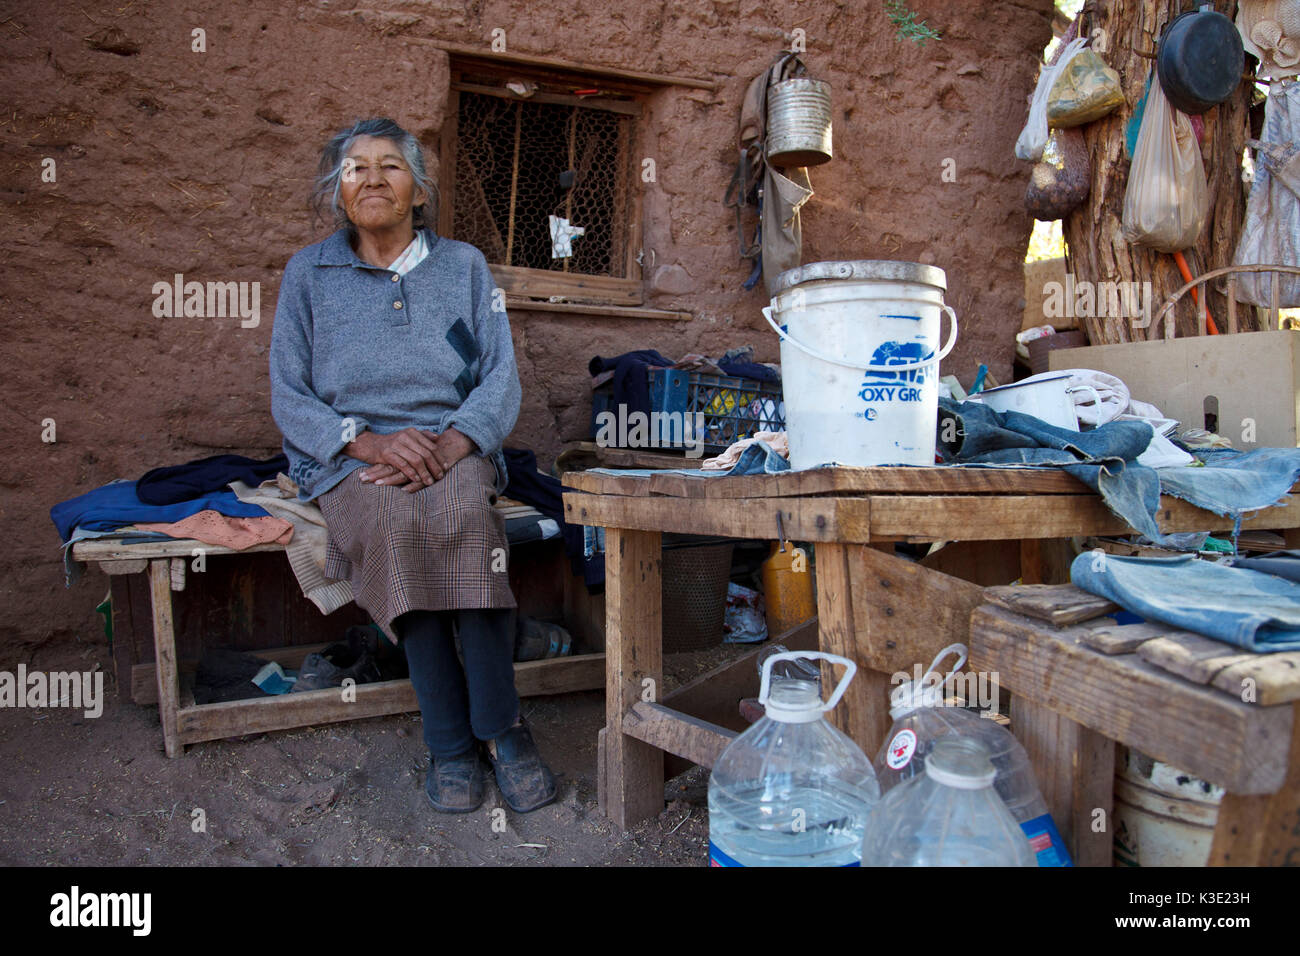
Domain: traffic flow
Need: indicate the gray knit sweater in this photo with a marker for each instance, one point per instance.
(355, 346)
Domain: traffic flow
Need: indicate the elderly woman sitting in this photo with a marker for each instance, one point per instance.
(393, 381)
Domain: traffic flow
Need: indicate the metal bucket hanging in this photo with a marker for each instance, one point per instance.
(799, 122)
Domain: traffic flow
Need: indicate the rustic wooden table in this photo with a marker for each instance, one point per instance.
(1079, 685)
(884, 612)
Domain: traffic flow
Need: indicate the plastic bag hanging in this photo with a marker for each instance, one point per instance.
(1166, 202)
(1086, 90)
(1034, 136)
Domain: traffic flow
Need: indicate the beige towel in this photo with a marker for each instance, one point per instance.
(778, 440)
(306, 552)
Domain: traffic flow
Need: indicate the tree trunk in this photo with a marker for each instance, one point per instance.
(1097, 249)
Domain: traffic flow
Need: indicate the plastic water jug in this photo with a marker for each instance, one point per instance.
(921, 719)
(791, 790)
(948, 816)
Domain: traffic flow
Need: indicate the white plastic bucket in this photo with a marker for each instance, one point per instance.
(860, 361)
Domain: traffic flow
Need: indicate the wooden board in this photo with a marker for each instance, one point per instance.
(904, 614)
(1262, 830)
(992, 517)
(265, 714)
(1110, 638)
(698, 741)
(1075, 771)
(822, 481)
(802, 519)
(633, 783)
(1239, 746)
(863, 711)
(1193, 657)
(1058, 604)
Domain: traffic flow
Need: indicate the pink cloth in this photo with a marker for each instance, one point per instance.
(212, 527)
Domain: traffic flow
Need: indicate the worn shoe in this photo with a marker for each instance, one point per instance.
(455, 784)
(524, 780)
(336, 663)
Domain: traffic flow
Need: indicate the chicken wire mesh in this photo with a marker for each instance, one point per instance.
(514, 160)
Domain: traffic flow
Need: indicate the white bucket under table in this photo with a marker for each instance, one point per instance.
(860, 360)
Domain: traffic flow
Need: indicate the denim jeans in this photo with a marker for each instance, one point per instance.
(459, 703)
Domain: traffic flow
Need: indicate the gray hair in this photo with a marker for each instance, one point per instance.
(325, 196)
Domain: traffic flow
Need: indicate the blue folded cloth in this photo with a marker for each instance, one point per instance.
(1248, 609)
(116, 504)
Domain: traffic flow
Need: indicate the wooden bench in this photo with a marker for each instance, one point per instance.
(247, 591)
(1079, 683)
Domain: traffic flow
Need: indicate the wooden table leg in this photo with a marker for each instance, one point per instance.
(863, 711)
(1262, 830)
(1075, 770)
(164, 643)
(632, 786)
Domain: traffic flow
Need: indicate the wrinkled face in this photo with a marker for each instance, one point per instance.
(377, 188)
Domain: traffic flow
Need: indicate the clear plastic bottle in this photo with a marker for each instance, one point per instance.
(791, 790)
(948, 816)
(921, 719)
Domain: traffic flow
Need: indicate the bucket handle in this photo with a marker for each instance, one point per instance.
(866, 366)
(850, 669)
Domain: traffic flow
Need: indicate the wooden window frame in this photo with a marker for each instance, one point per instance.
(520, 282)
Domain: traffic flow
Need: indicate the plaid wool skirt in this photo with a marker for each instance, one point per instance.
(441, 549)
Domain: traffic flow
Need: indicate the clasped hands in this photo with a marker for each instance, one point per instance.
(412, 459)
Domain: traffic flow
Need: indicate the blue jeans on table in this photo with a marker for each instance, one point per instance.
(459, 703)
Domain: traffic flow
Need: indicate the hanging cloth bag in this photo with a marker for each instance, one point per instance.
(1270, 234)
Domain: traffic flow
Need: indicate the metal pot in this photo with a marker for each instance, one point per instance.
(1199, 60)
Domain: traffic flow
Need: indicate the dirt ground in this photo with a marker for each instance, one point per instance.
(101, 792)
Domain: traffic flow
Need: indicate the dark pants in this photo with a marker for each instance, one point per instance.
(460, 703)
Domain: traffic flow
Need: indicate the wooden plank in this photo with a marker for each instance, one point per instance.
(542, 283)
(1111, 638)
(109, 549)
(634, 771)
(561, 675)
(133, 566)
(1275, 678)
(1058, 604)
(476, 53)
(595, 483)
(641, 458)
(882, 479)
(625, 107)
(663, 728)
(178, 574)
(994, 517)
(863, 711)
(904, 614)
(164, 638)
(803, 519)
(1193, 657)
(520, 304)
(1262, 830)
(1075, 770)
(1239, 746)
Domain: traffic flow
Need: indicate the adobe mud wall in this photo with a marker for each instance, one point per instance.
(169, 160)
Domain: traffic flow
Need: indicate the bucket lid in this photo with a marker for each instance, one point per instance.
(888, 270)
